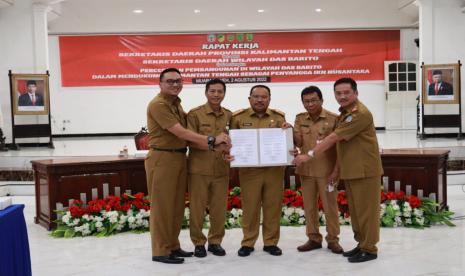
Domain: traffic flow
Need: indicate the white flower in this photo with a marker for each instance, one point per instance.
(234, 212)
(123, 219)
(131, 219)
(398, 220)
(239, 212)
(207, 218)
(383, 206)
(98, 224)
(300, 211)
(417, 212)
(408, 221)
(145, 223)
(66, 218)
(288, 211)
(231, 221)
(302, 220)
(85, 217)
(186, 212)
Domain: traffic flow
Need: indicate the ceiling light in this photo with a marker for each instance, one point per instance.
(196, 11)
(260, 11)
(137, 11)
(318, 10)
(231, 25)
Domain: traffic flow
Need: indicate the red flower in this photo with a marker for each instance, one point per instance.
(76, 211)
(342, 199)
(320, 204)
(298, 202)
(383, 197)
(139, 195)
(391, 196)
(414, 201)
(400, 195)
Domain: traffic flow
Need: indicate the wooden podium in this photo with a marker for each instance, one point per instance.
(63, 179)
(60, 180)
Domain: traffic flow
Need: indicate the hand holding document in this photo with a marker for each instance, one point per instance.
(262, 147)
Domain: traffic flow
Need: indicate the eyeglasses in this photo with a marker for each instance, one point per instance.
(258, 97)
(173, 82)
(312, 101)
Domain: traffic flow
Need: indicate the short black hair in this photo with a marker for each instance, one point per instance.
(350, 81)
(260, 86)
(437, 72)
(215, 81)
(309, 90)
(31, 82)
(167, 70)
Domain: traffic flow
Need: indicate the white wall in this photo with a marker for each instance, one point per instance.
(123, 109)
(442, 40)
(23, 49)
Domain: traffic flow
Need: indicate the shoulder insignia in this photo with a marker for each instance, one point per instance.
(227, 110)
(279, 112)
(238, 112)
(301, 114)
(355, 109)
(196, 108)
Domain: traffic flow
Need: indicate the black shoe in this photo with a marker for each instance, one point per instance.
(362, 256)
(352, 252)
(273, 250)
(171, 259)
(216, 249)
(181, 253)
(245, 251)
(200, 251)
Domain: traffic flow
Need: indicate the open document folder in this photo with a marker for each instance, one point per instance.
(263, 147)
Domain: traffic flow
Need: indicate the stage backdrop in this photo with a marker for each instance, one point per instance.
(116, 60)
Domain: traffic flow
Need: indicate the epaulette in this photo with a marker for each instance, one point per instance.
(302, 114)
(240, 111)
(227, 110)
(355, 109)
(279, 112)
(195, 109)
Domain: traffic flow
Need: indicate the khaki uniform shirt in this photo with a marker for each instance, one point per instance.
(163, 112)
(247, 118)
(358, 153)
(311, 131)
(205, 121)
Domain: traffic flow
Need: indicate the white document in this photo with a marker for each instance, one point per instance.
(264, 147)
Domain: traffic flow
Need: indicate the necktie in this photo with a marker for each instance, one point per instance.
(436, 89)
(33, 99)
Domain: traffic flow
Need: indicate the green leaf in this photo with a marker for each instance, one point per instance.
(69, 233)
(58, 233)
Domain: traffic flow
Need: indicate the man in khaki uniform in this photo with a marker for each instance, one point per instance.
(166, 166)
(360, 167)
(309, 129)
(260, 187)
(208, 172)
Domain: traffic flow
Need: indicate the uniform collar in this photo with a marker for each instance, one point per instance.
(322, 114)
(209, 110)
(169, 98)
(349, 108)
(251, 112)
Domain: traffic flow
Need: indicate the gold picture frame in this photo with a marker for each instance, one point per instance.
(440, 83)
(30, 94)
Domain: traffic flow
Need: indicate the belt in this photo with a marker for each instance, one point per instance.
(181, 150)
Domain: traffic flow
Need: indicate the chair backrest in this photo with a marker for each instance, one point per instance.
(142, 139)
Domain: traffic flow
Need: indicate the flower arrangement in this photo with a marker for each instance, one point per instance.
(104, 217)
(399, 210)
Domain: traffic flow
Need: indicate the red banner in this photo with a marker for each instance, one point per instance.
(235, 57)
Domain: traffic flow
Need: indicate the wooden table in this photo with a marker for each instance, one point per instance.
(63, 179)
(424, 169)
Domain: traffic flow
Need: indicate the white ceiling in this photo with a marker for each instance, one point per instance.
(116, 16)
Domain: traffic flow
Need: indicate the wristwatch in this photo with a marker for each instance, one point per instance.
(311, 153)
(211, 142)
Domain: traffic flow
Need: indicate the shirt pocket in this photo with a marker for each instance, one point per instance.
(206, 130)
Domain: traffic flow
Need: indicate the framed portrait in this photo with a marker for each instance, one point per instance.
(30, 94)
(441, 83)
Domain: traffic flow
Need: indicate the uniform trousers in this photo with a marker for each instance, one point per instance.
(364, 197)
(312, 188)
(166, 185)
(261, 188)
(212, 192)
